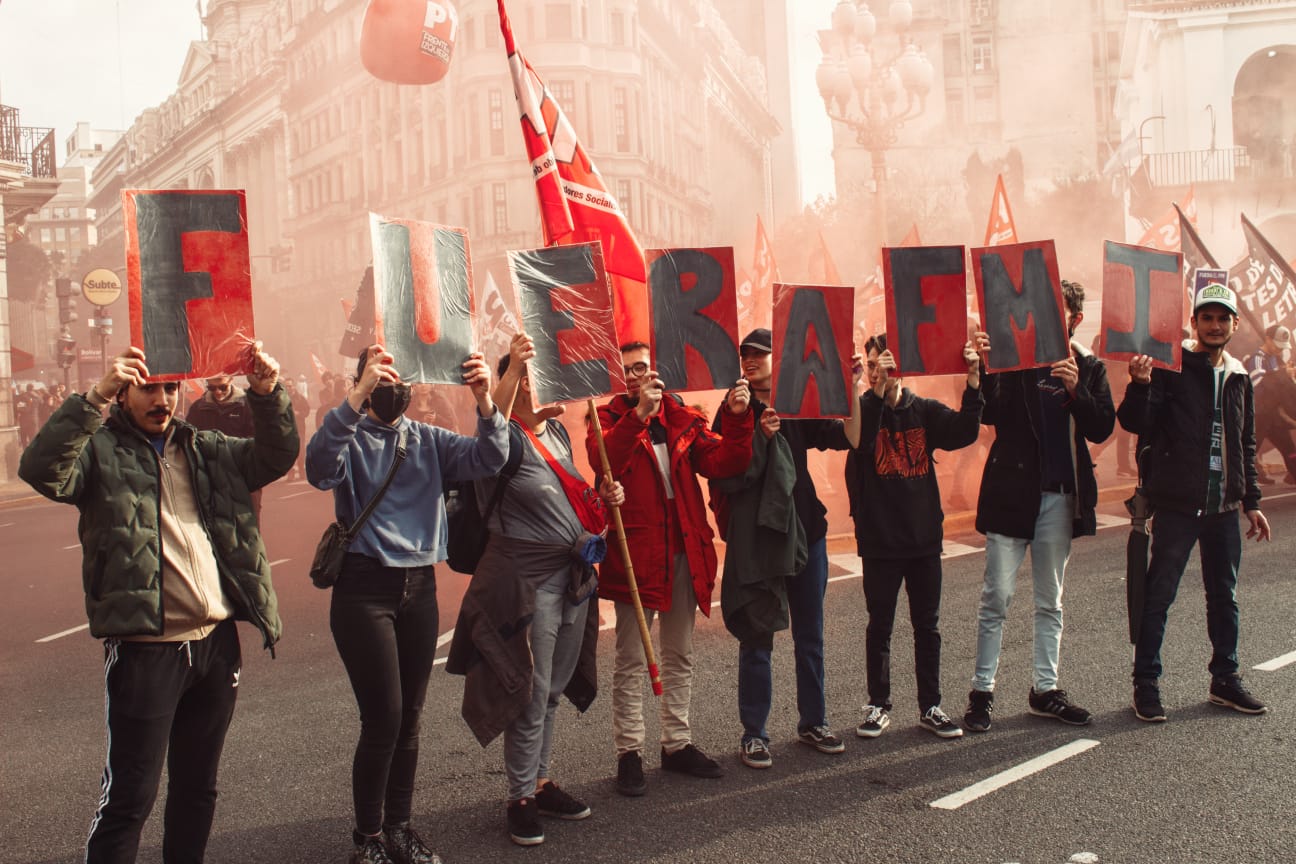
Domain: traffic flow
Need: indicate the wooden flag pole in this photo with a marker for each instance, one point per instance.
(653, 674)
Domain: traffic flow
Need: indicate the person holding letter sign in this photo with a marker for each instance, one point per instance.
(1199, 428)
(657, 447)
(895, 500)
(383, 610)
(1038, 491)
(772, 576)
(175, 557)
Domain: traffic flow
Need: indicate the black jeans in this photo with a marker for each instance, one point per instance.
(171, 700)
(922, 581)
(1219, 540)
(384, 623)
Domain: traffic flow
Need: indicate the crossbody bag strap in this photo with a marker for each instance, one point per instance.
(382, 490)
(506, 474)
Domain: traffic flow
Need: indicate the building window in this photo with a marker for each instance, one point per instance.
(623, 196)
(58, 212)
(984, 107)
(74, 212)
(495, 103)
(59, 234)
(490, 34)
(467, 30)
(616, 26)
(558, 21)
(75, 233)
(499, 201)
(620, 126)
(45, 235)
(564, 93)
(953, 54)
(479, 211)
(982, 54)
(955, 118)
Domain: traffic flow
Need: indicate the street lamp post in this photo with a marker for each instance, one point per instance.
(872, 90)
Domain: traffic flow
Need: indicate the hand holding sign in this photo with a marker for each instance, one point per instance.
(128, 369)
(769, 423)
(972, 351)
(1068, 373)
(378, 370)
(1140, 369)
(882, 368)
(265, 372)
(476, 375)
(650, 396)
(739, 397)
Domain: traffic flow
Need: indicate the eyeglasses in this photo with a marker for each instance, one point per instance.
(636, 371)
(217, 388)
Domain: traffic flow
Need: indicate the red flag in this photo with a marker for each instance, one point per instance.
(822, 267)
(1265, 285)
(912, 238)
(347, 306)
(756, 307)
(1000, 230)
(575, 205)
(1163, 234)
(320, 369)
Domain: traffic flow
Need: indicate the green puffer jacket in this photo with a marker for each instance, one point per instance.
(110, 471)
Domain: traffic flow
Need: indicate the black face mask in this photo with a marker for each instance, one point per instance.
(390, 401)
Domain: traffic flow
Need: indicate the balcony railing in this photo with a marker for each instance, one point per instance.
(1198, 166)
(29, 146)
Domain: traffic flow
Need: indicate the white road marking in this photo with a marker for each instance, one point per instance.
(8, 525)
(297, 494)
(1106, 520)
(440, 661)
(73, 546)
(1012, 775)
(1277, 663)
(958, 550)
(63, 633)
(278, 561)
(445, 637)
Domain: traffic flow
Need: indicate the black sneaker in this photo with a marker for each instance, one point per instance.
(368, 850)
(1227, 690)
(630, 776)
(690, 760)
(936, 721)
(555, 802)
(822, 739)
(1147, 701)
(405, 846)
(755, 754)
(524, 823)
(876, 720)
(977, 715)
(1055, 704)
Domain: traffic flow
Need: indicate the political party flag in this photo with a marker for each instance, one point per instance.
(912, 238)
(575, 204)
(320, 369)
(822, 267)
(1163, 234)
(1265, 284)
(1000, 229)
(756, 305)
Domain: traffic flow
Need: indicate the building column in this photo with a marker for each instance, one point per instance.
(9, 440)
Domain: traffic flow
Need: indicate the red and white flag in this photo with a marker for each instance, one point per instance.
(1000, 230)
(1163, 234)
(496, 323)
(575, 204)
(823, 269)
(320, 369)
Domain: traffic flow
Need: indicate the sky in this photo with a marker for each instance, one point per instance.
(104, 61)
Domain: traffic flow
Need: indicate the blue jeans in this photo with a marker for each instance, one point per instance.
(557, 631)
(1220, 542)
(1004, 555)
(755, 683)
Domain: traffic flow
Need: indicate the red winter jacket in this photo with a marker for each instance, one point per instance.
(694, 450)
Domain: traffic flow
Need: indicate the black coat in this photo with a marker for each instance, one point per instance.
(1173, 417)
(1010, 485)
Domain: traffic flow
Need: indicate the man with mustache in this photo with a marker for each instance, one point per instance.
(172, 557)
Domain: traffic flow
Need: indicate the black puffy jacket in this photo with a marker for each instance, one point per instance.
(1010, 485)
(1172, 417)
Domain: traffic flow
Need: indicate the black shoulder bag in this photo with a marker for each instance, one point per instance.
(332, 547)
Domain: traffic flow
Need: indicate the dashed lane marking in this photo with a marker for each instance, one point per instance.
(8, 524)
(62, 633)
(73, 546)
(1277, 663)
(1012, 775)
(278, 561)
(297, 494)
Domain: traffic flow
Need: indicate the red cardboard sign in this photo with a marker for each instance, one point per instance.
(812, 349)
(693, 299)
(926, 308)
(1143, 305)
(1022, 311)
(189, 284)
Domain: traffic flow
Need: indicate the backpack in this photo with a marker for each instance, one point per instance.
(467, 523)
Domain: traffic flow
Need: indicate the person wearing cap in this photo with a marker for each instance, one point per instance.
(1272, 354)
(1198, 426)
(776, 561)
(657, 447)
(171, 558)
(1275, 399)
(1038, 492)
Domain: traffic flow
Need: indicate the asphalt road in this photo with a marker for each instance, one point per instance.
(1209, 786)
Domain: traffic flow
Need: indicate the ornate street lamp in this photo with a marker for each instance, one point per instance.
(873, 82)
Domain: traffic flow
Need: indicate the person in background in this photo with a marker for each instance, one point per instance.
(657, 447)
(1199, 427)
(301, 410)
(895, 500)
(383, 610)
(1038, 491)
(170, 561)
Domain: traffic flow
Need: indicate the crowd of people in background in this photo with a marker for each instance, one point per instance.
(170, 525)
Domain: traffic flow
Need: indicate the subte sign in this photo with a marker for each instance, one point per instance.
(101, 287)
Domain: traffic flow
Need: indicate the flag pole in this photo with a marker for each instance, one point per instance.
(653, 674)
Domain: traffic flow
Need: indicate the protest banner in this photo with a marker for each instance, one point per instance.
(926, 308)
(1019, 293)
(812, 350)
(693, 302)
(1143, 304)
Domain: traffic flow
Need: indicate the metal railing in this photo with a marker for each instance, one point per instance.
(1198, 166)
(32, 147)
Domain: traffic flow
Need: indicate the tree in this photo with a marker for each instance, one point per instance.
(29, 269)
